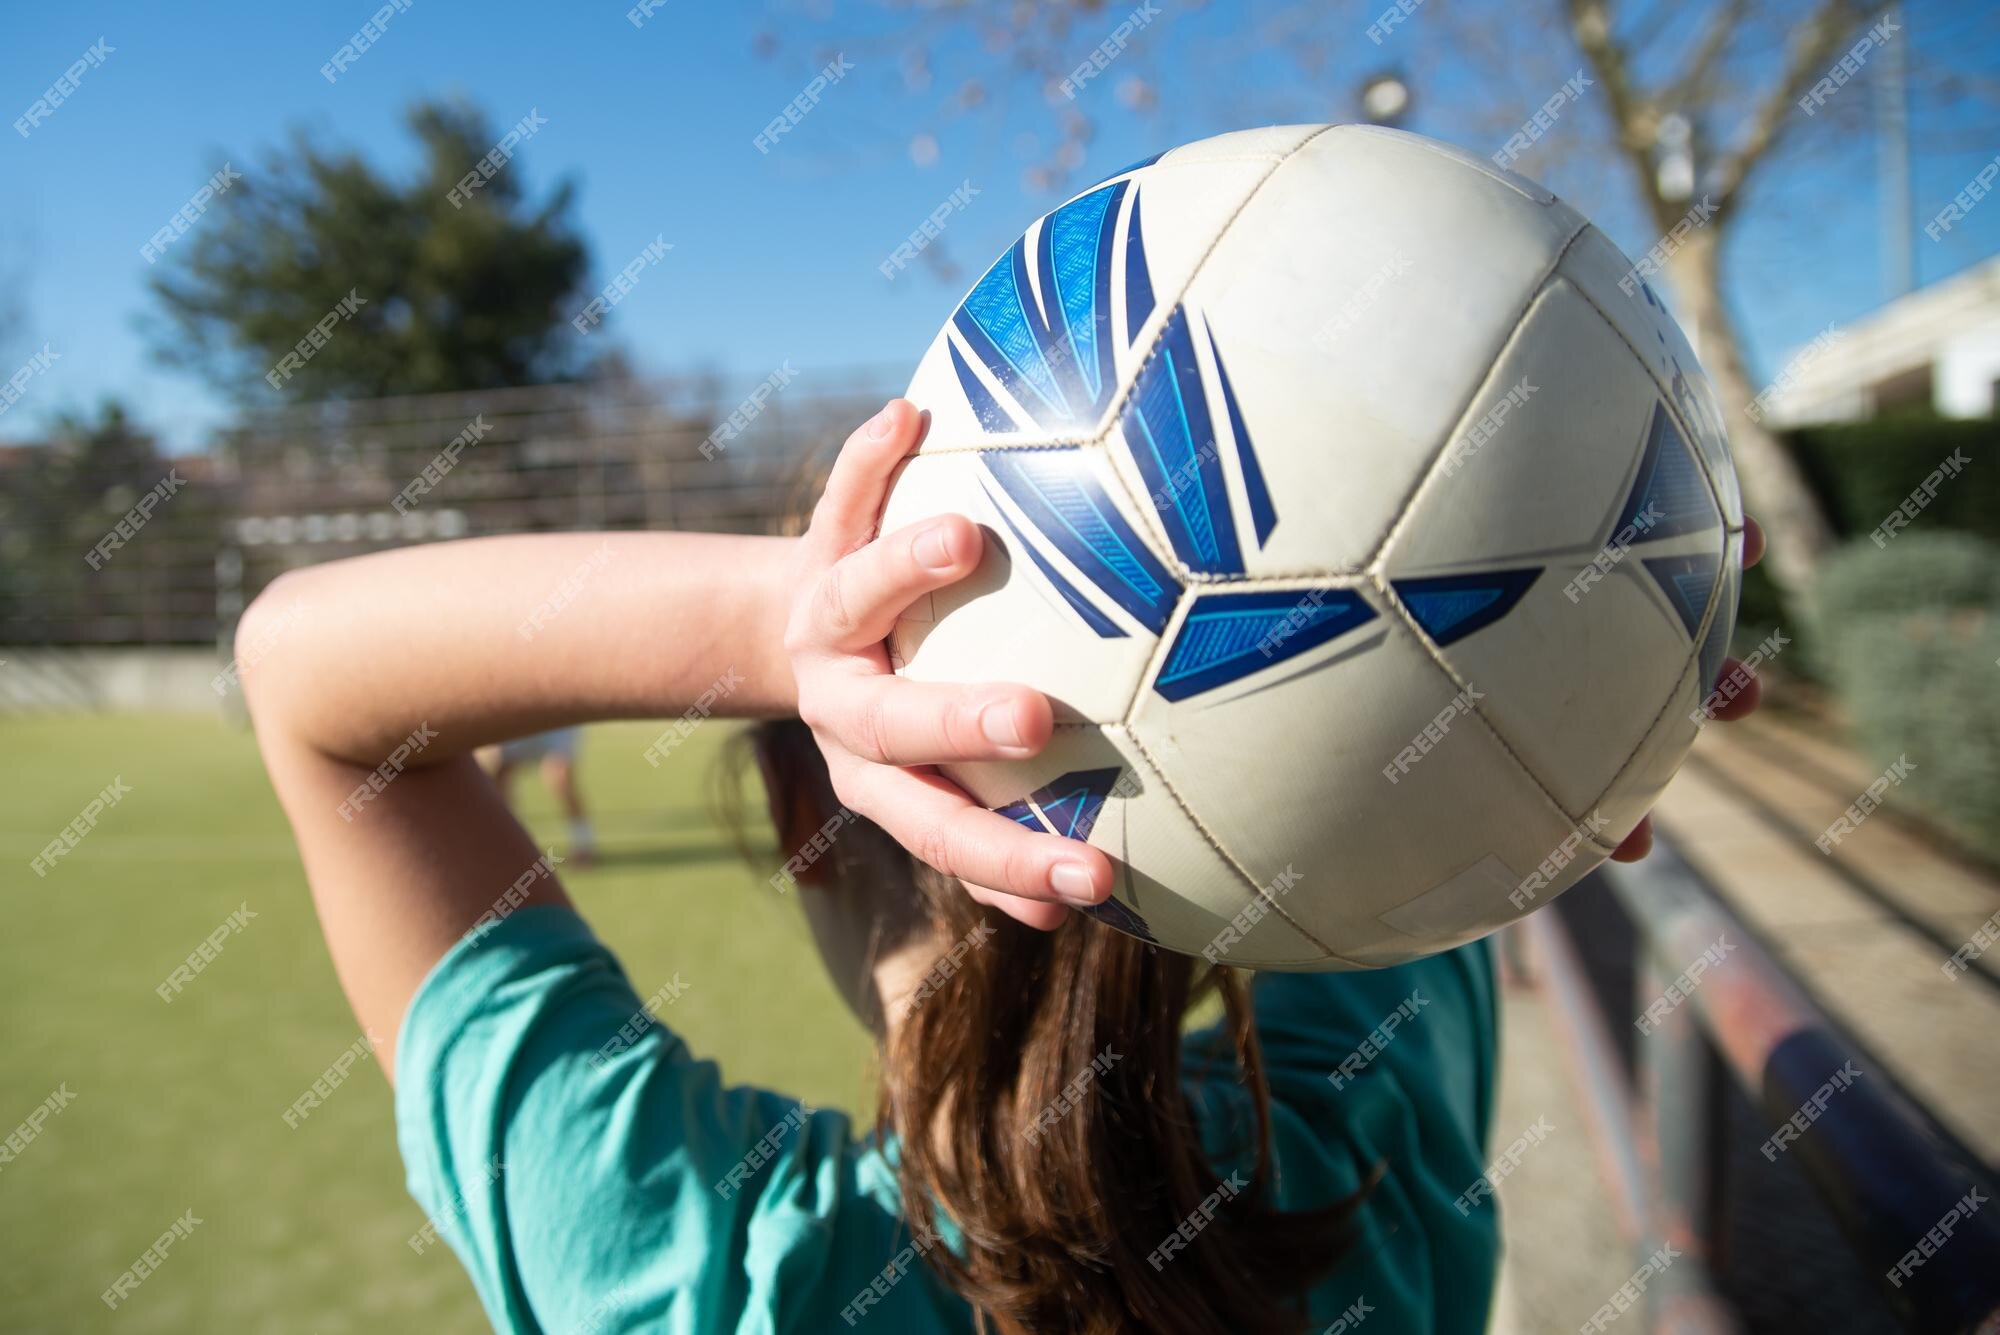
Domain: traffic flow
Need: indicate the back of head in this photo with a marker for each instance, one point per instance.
(1032, 1082)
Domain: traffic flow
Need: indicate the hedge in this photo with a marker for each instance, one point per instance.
(1860, 471)
(1863, 470)
(1912, 570)
(1909, 635)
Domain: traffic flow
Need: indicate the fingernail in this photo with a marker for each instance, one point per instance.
(997, 722)
(1071, 883)
(934, 549)
(878, 425)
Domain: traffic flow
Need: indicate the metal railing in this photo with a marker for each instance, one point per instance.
(317, 481)
(1902, 1195)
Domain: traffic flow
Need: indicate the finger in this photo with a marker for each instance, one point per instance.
(848, 508)
(933, 818)
(892, 721)
(858, 599)
(1737, 692)
(1753, 542)
(1636, 844)
(1036, 913)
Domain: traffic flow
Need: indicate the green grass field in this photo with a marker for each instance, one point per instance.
(177, 1107)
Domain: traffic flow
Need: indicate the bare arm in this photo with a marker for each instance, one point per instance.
(502, 637)
(372, 681)
(377, 678)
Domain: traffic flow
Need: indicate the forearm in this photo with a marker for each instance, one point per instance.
(490, 638)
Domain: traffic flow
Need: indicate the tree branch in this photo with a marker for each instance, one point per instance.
(1809, 58)
(1693, 83)
(1634, 117)
(1646, 29)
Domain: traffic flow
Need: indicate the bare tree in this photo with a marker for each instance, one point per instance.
(1786, 505)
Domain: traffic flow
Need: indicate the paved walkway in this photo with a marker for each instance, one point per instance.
(1565, 1255)
(1867, 929)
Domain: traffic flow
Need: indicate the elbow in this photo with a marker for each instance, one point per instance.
(266, 634)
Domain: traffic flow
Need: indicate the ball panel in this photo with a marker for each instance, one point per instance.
(967, 408)
(1528, 189)
(1555, 557)
(1235, 641)
(1633, 791)
(1266, 142)
(1546, 454)
(1093, 783)
(1335, 777)
(1715, 640)
(1632, 305)
(1572, 686)
(1044, 344)
(1636, 787)
(1345, 407)
(1181, 445)
(1067, 596)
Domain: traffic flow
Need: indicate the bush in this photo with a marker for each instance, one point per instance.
(1860, 472)
(1913, 570)
(1910, 638)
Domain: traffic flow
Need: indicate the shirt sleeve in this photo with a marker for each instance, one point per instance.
(1386, 1078)
(593, 1175)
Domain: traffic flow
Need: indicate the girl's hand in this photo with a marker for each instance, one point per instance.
(879, 732)
(1640, 842)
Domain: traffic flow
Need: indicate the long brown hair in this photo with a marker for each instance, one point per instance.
(1033, 1089)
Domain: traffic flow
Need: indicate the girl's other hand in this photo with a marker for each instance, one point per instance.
(882, 734)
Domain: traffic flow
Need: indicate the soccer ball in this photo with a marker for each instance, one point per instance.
(1367, 519)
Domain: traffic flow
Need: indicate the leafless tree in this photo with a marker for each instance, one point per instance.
(1638, 111)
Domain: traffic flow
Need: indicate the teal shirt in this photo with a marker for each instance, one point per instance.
(595, 1175)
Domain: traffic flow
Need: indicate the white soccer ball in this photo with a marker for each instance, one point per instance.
(1367, 519)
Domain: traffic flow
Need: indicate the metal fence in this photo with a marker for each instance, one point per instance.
(105, 541)
(1832, 1228)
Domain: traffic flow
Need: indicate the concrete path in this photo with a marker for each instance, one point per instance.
(1565, 1255)
(1868, 927)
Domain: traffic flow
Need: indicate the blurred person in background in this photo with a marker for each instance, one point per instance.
(554, 754)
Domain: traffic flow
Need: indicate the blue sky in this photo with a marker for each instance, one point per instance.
(774, 254)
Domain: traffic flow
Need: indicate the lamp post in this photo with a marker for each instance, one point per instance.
(1385, 99)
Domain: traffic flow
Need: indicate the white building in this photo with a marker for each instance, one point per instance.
(1938, 345)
